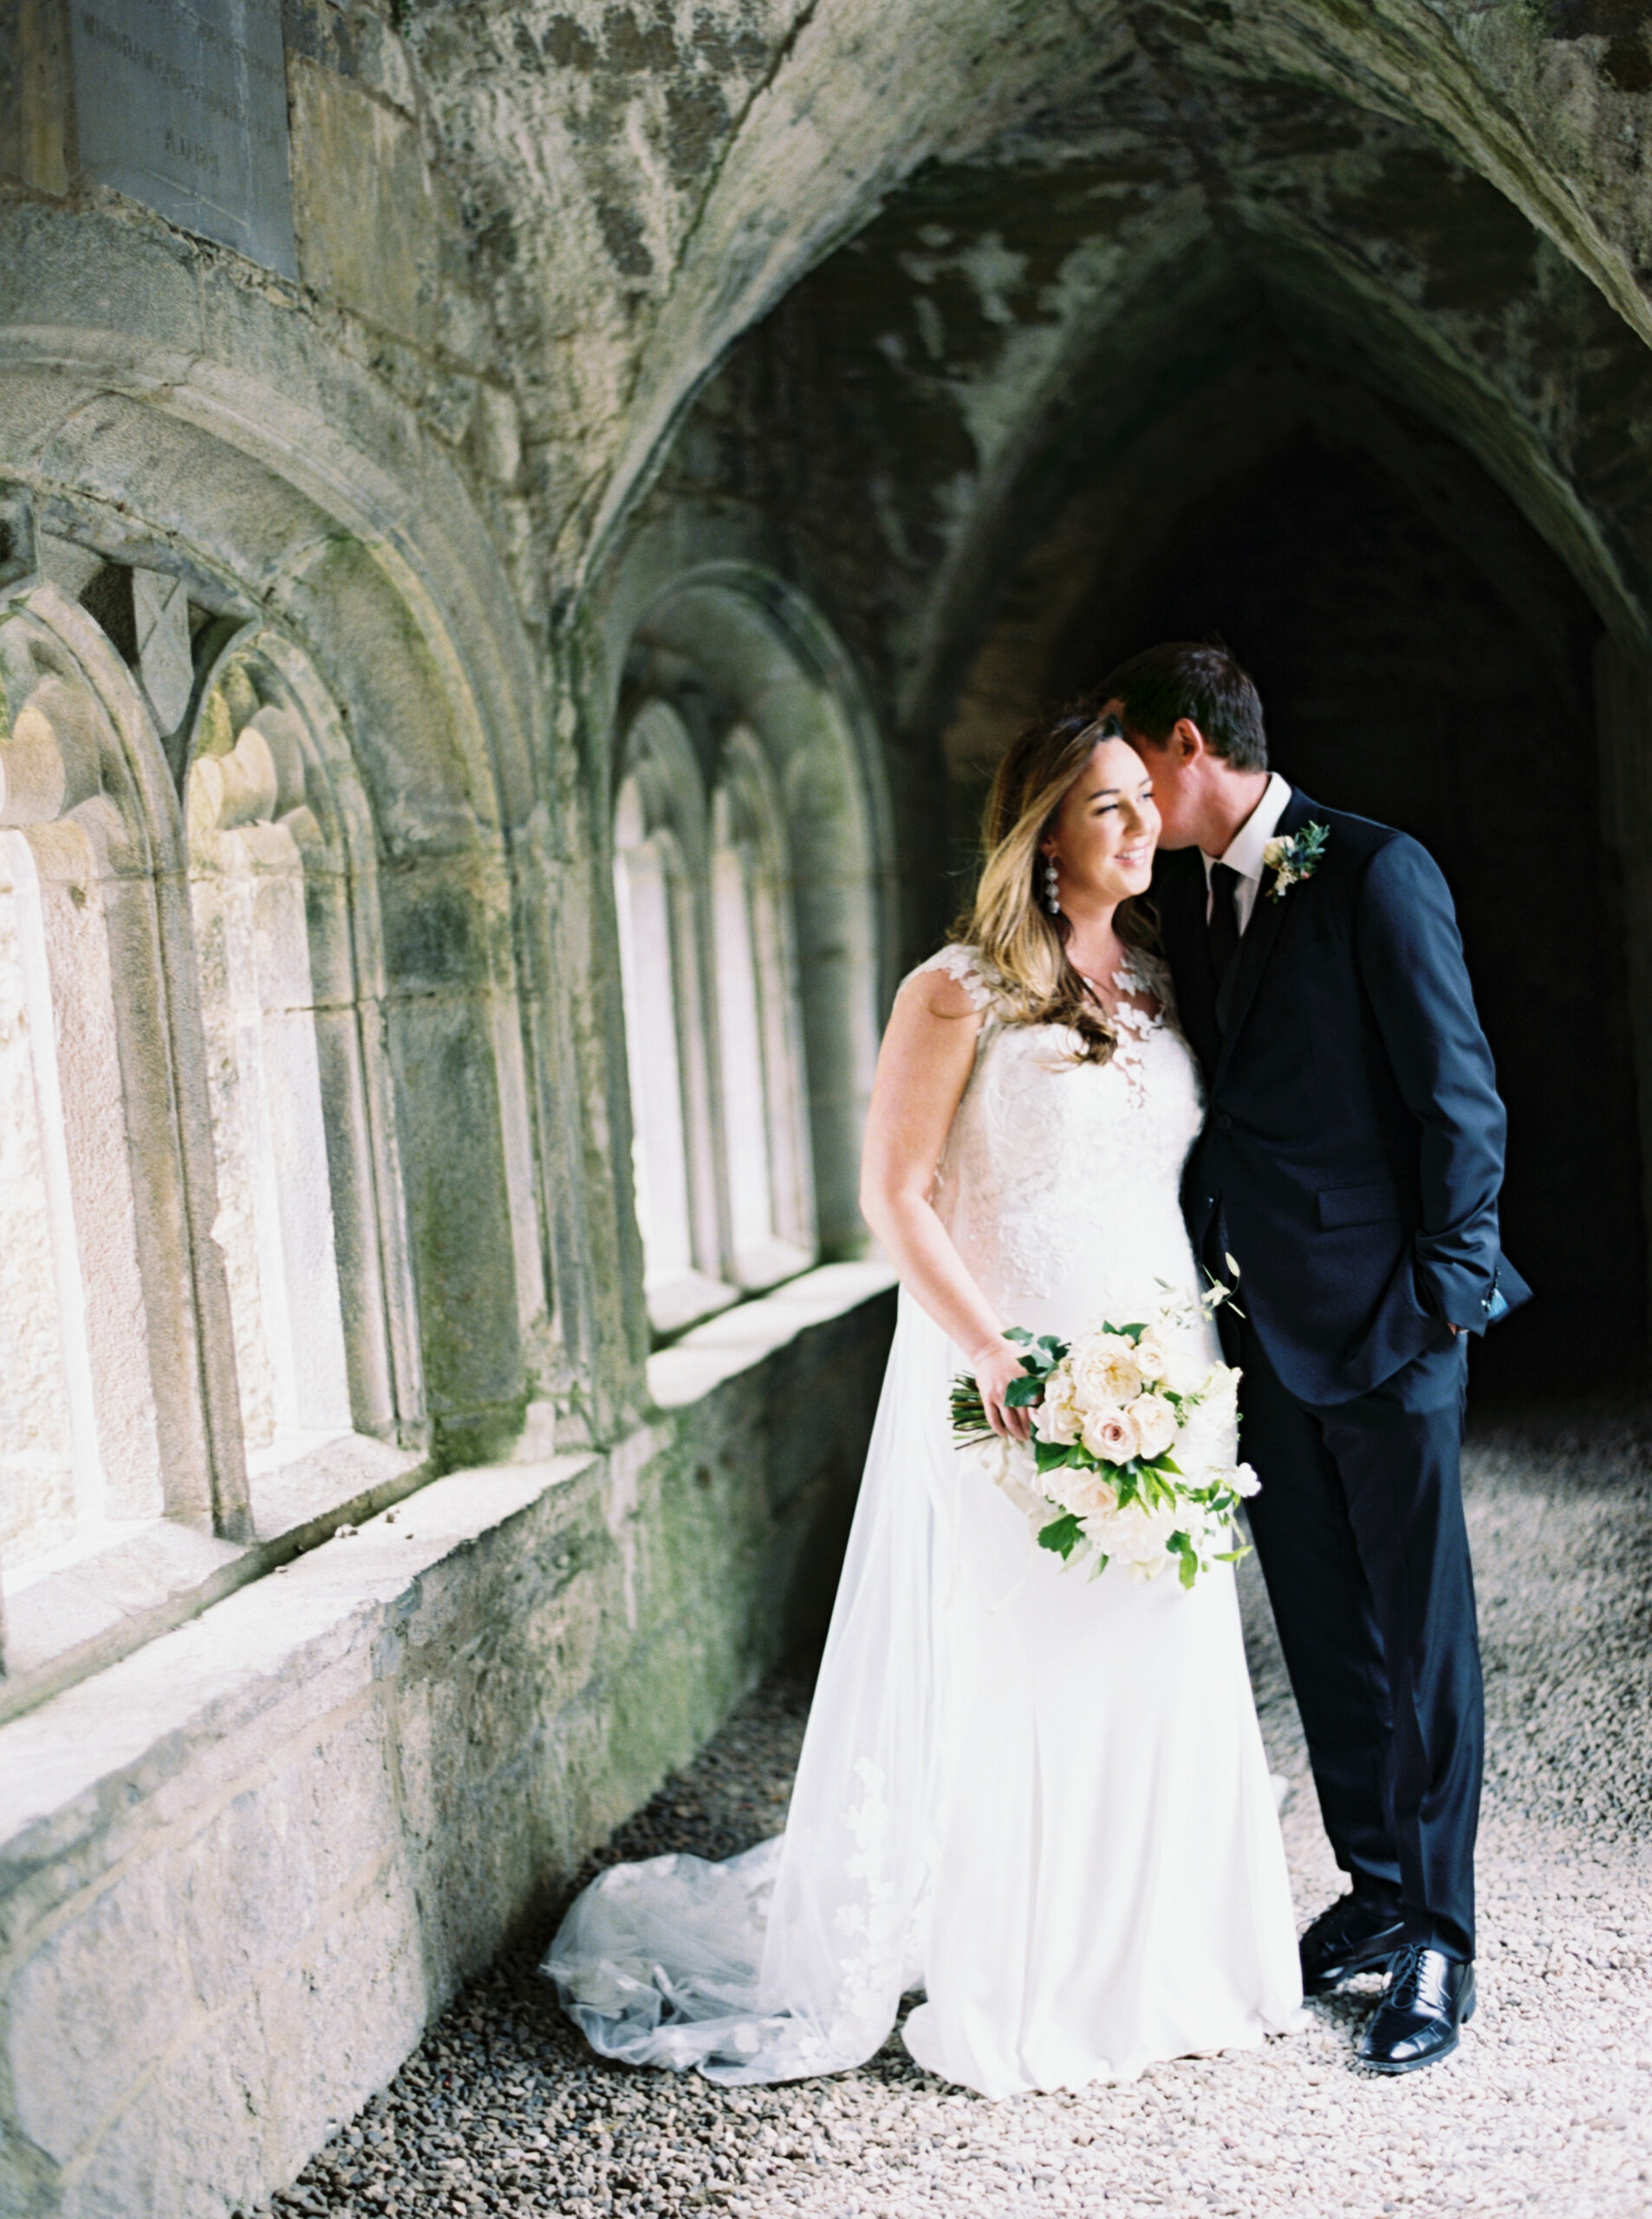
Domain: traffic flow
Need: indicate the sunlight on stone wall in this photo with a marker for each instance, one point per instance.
(37, 1449)
(247, 822)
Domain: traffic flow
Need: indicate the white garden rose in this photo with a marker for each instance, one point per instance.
(1012, 1467)
(1222, 1383)
(1186, 1364)
(1110, 1435)
(1153, 1359)
(1104, 1371)
(1241, 1478)
(1057, 1417)
(1081, 1490)
(1139, 1538)
(1155, 1421)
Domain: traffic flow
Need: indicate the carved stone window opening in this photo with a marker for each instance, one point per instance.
(111, 1414)
(660, 894)
(308, 1217)
(171, 1001)
(764, 1095)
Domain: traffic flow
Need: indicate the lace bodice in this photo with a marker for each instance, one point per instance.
(1060, 1180)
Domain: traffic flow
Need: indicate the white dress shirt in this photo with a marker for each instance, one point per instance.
(1244, 851)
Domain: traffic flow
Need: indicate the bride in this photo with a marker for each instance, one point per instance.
(1040, 1799)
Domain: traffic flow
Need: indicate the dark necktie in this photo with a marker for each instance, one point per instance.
(1224, 928)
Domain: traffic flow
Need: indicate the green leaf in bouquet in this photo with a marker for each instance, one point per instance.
(1062, 1535)
(1166, 1462)
(1233, 1556)
(1053, 1455)
(1189, 1567)
(1100, 1566)
(1021, 1394)
(1017, 1333)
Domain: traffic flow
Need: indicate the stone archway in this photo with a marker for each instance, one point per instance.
(985, 417)
(750, 665)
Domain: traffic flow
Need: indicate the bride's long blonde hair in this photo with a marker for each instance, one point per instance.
(1026, 947)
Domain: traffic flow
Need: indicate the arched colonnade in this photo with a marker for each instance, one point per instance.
(297, 1199)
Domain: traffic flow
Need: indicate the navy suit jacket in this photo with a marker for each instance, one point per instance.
(1352, 1149)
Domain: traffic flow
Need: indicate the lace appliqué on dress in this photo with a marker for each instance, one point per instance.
(1048, 1149)
(973, 971)
(1142, 974)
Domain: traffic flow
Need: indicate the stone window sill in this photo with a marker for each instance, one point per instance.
(95, 1600)
(714, 1351)
(86, 1606)
(674, 1304)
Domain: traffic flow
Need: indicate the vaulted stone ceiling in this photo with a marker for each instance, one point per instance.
(1029, 217)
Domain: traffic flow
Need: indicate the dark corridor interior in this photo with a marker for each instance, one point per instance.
(1439, 679)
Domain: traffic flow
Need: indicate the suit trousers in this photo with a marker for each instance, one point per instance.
(1359, 1529)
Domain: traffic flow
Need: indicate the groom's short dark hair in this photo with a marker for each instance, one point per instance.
(1198, 679)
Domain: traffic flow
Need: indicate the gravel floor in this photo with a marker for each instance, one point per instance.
(1547, 2107)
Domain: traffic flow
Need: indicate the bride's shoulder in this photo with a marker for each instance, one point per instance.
(960, 982)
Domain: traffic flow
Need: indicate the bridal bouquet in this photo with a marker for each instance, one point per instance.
(1098, 1478)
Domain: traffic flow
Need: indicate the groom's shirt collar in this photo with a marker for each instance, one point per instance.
(1244, 851)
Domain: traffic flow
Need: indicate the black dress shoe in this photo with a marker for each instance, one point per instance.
(1352, 1936)
(1429, 1996)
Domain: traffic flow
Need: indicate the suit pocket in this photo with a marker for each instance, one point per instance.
(1341, 1206)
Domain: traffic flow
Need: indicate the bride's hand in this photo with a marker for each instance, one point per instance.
(995, 1365)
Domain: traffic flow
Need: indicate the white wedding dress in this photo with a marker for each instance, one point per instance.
(1040, 1799)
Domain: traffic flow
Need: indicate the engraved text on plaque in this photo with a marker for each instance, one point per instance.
(182, 104)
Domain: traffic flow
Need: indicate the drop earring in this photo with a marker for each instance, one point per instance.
(1051, 887)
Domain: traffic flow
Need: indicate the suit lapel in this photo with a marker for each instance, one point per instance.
(1182, 922)
(1238, 988)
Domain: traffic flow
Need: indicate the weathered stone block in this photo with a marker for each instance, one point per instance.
(250, 1889)
(35, 97)
(93, 2004)
(340, 2017)
(363, 204)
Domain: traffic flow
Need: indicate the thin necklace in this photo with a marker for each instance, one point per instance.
(1094, 987)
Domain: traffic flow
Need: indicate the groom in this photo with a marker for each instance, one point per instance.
(1349, 1166)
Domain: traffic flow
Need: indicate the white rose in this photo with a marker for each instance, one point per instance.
(1276, 853)
(1057, 1417)
(1152, 1357)
(1242, 1479)
(1084, 1492)
(1110, 1435)
(1139, 1537)
(1186, 1364)
(1104, 1371)
(1155, 1421)
(1221, 1384)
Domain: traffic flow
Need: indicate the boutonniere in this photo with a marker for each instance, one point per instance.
(1295, 856)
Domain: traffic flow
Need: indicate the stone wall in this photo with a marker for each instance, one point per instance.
(799, 377)
(240, 1869)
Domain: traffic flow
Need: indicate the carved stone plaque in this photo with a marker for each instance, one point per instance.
(182, 104)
